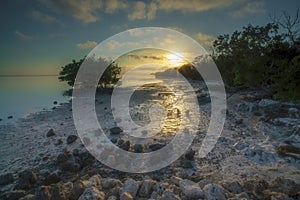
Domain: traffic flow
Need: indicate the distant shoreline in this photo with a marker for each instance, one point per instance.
(26, 75)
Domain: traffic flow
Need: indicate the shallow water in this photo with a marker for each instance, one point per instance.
(21, 96)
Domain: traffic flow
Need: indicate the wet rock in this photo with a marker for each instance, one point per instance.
(86, 158)
(285, 185)
(50, 133)
(186, 164)
(146, 188)
(214, 192)
(71, 139)
(125, 146)
(130, 186)
(26, 179)
(92, 193)
(54, 102)
(239, 121)
(28, 197)
(116, 130)
(126, 196)
(267, 102)
(6, 179)
(10, 117)
(138, 148)
(189, 155)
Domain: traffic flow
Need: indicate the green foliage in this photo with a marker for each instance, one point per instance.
(109, 77)
(259, 57)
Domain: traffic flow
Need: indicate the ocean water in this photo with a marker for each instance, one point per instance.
(20, 96)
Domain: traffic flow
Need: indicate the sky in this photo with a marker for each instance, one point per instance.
(41, 36)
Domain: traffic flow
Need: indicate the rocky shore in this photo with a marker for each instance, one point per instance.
(256, 157)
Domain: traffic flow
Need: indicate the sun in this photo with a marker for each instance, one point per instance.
(175, 59)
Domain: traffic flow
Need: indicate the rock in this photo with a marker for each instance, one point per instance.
(160, 188)
(285, 121)
(108, 183)
(86, 158)
(26, 179)
(92, 193)
(267, 102)
(28, 197)
(285, 185)
(51, 179)
(6, 179)
(192, 192)
(175, 180)
(169, 195)
(43, 192)
(116, 130)
(146, 188)
(130, 186)
(156, 146)
(288, 150)
(71, 139)
(112, 198)
(95, 181)
(10, 117)
(233, 187)
(186, 164)
(50, 133)
(214, 192)
(189, 155)
(138, 148)
(68, 162)
(114, 140)
(16, 194)
(78, 188)
(239, 121)
(125, 146)
(59, 142)
(54, 102)
(126, 196)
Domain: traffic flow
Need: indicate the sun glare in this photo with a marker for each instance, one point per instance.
(175, 59)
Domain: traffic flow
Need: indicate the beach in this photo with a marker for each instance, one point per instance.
(257, 156)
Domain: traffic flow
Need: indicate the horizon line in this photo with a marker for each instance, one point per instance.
(26, 75)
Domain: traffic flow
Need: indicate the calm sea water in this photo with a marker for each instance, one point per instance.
(20, 96)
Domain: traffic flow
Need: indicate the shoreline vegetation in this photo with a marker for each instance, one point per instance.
(256, 157)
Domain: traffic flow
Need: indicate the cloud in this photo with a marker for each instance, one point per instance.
(192, 5)
(205, 40)
(139, 11)
(39, 16)
(250, 8)
(115, 5)
(87, 45)
(139, 57)
(22, 36)
(82, 10)
(152, 11)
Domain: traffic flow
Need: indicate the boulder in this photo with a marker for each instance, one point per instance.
(138, 148)
(169, 195)
(126, 196)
